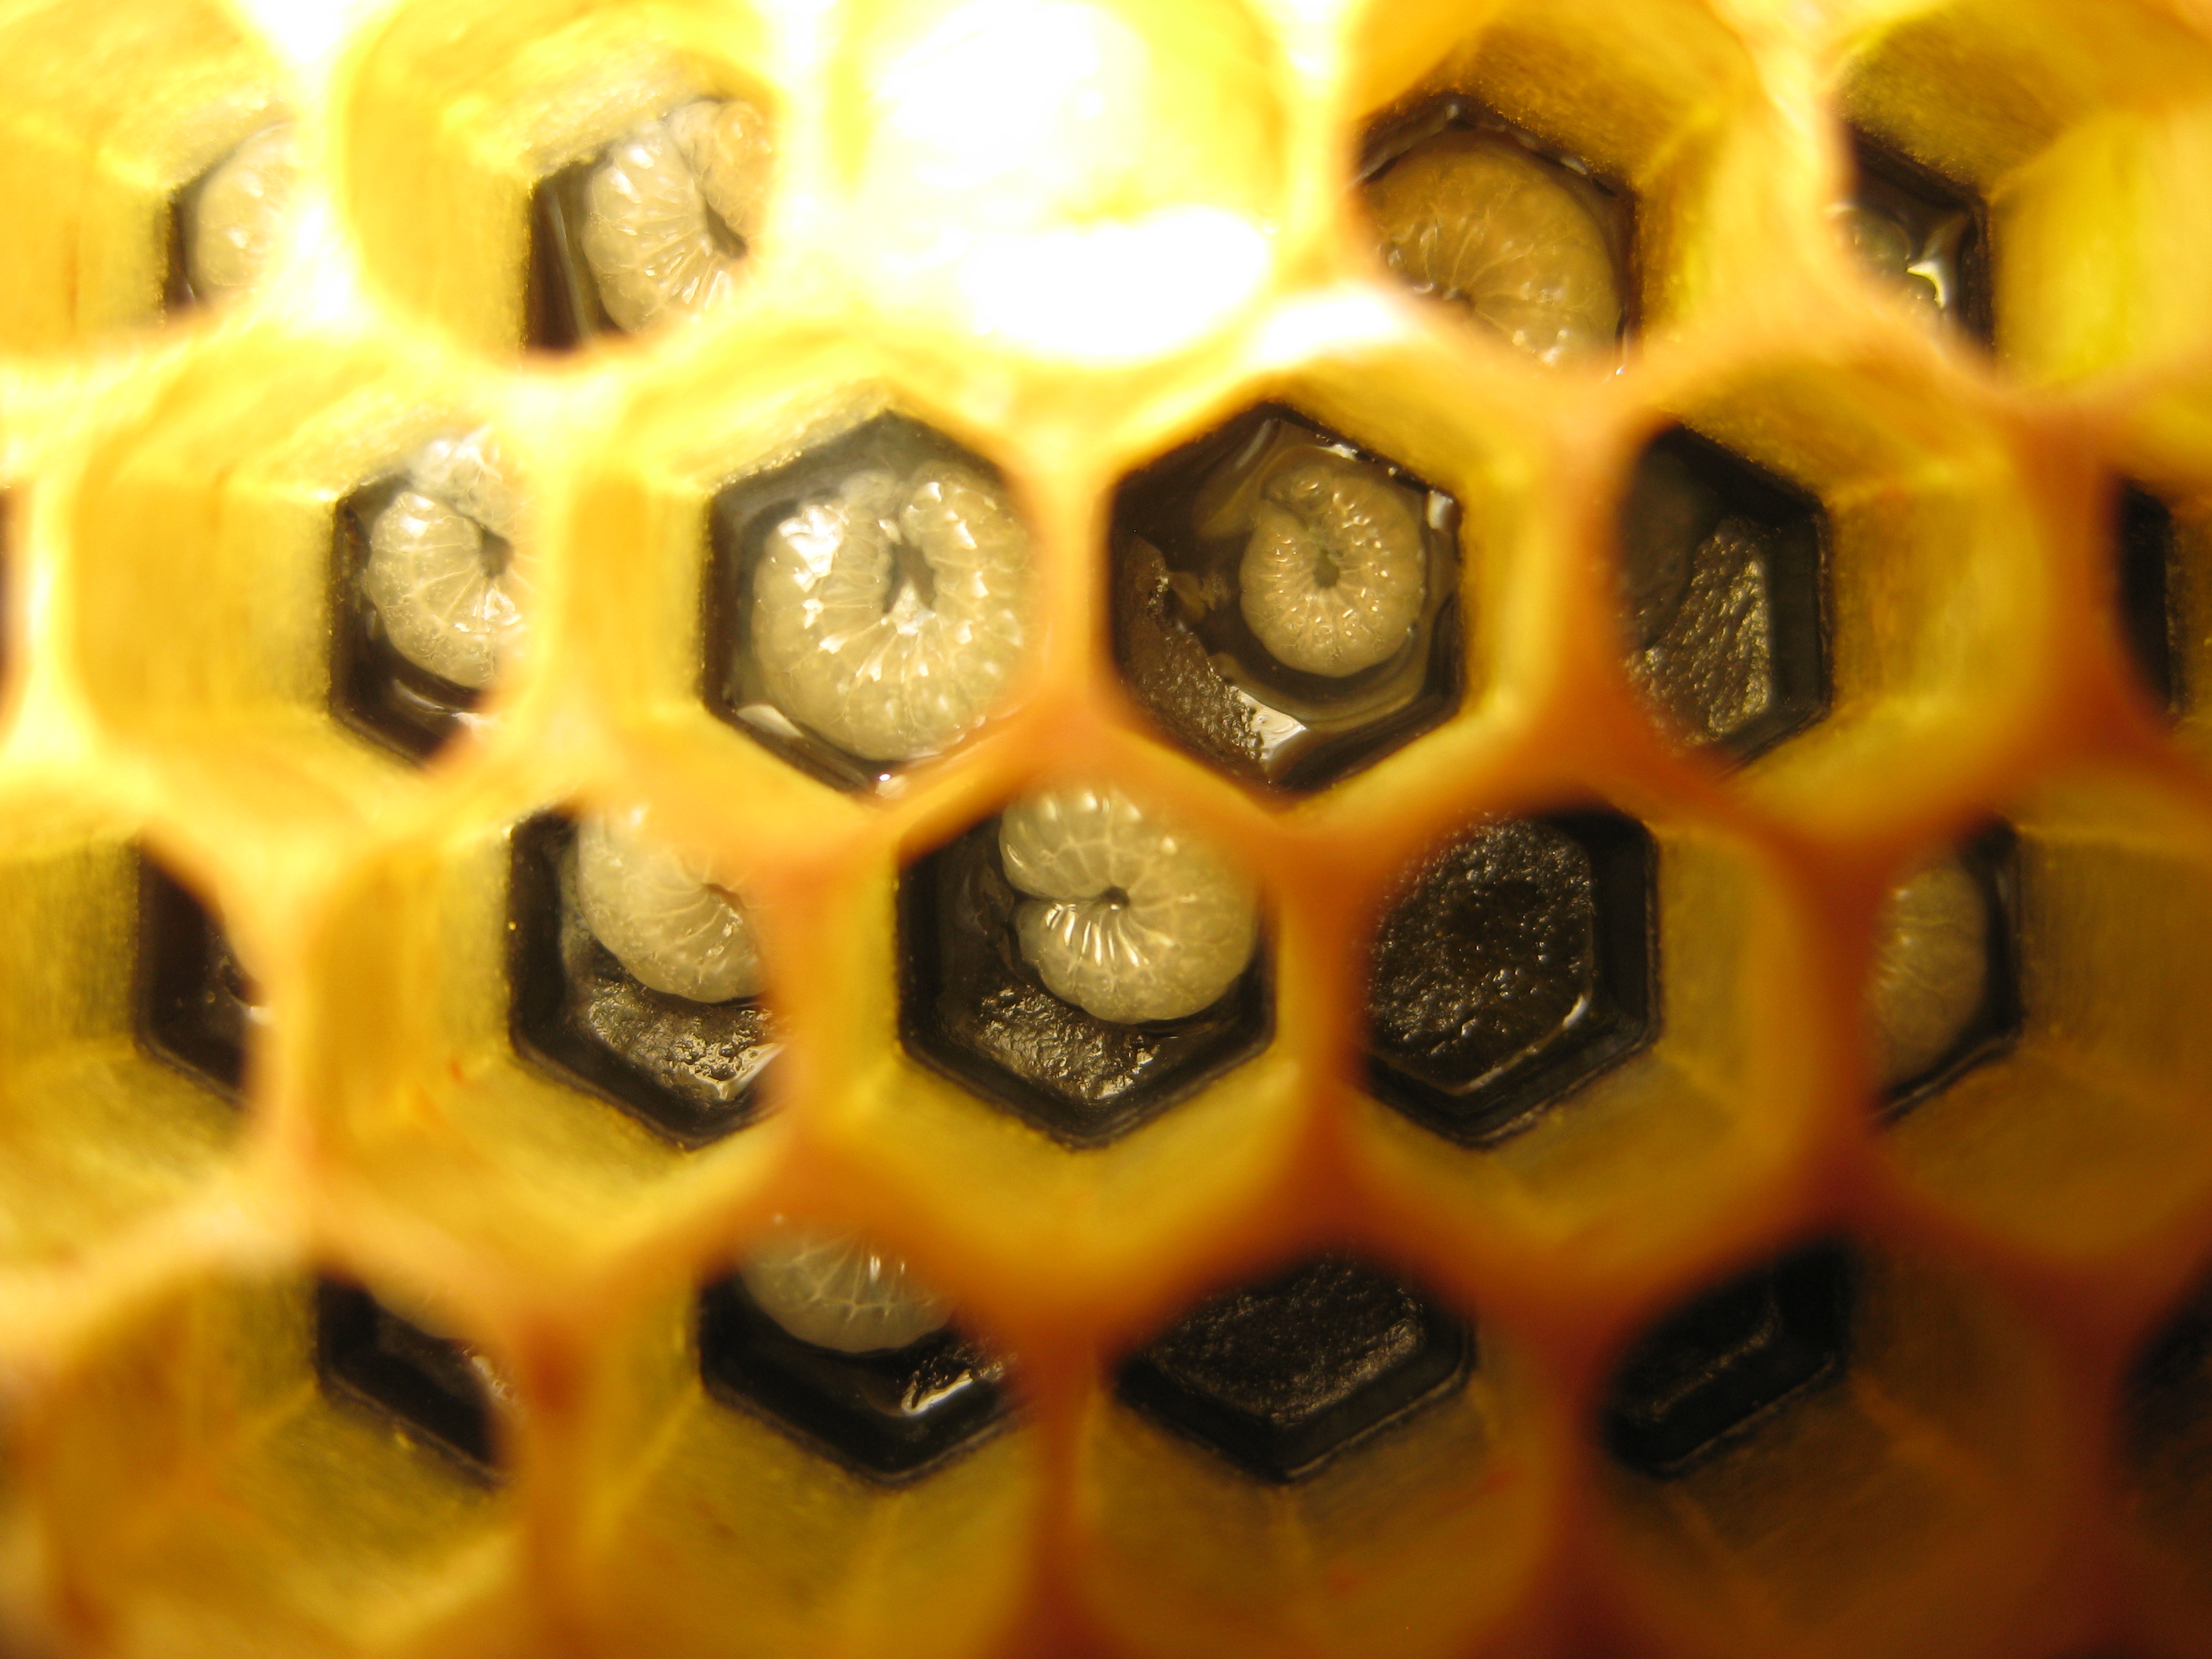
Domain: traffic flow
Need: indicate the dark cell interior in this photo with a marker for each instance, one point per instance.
(691, 1071)
(1724, 578)
(1713, 1369)
(196, 1007)
(892, 1414)
(744, 515)
(561, 307)
(2168, 1400)
(374, 690)
(2143, 531)
(1992, 859)
(431, 1385)
(1181, 528)
(1518, 962)
(1282, 1375)
(971, 1006)
(1940, 227)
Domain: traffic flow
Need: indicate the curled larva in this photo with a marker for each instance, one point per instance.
(441, 570)
(837, 1294)
(1475, 218)
(1336, 568)
(1129, 918)
(1931, 967)
(671, 207)
(666, 923)
(239, 213)
(889, 615)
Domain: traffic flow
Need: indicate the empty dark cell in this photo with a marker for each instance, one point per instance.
(375, 689)
(1717, 1366)
(1992, 860)
(1516, 963)
(196, 1007)
(691, 1071)
(1926, 235)
(1724, 578)
(892, 1414)
(1285, 603)
(1281, 1377)
(434, 1386)
(973, 1007)
(2145, 535)
(2169, 1399)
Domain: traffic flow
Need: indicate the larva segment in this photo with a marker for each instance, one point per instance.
(665, 921)
(1335, 573)
(1942, 993)
(836, 1293)
(235, 216)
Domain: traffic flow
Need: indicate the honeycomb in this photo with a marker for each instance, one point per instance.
(1707, 1149)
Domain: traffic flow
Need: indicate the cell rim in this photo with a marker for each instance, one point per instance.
(180, 988)
(351, 1367)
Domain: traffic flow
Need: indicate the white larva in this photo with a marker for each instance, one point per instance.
(1130, 918)
(1931, 967)
(666, 923)
(837, 1294)
(1336, 570)
(670, 209)
(238, 213)
(441, 570)
(1475, 218)
(890, 614)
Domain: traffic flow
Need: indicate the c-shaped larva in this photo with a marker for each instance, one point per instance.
(838, 1294)
(1474, 217)
(441, 570)
(1931, 967)
(666, 923)
(1130, 918)
(1336, 570)
(671, 207)
(239, 212)
(890, 614)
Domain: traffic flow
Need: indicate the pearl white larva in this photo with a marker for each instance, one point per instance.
(1474, 217)
(441, 570)
(1336, 568)
(838, 1294)
(670, 207)
(669, 927)
(889, 615)
(1931, 967)
(238, 213)
(1130, 918)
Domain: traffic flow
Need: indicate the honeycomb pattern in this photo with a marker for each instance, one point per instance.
(370, 1249)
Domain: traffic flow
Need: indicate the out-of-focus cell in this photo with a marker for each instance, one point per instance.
(2143, 529)
(1081, 962)
(1472, 212)
(198, 1008)
(433, 600)
(1282, 1377)
(872, 601)
(689, 1067)
(1924, 237)
(1285, 603)
(432, 1387)
(1723, 577)
(1513, 965)
(656, 227)
(1942, 996)
(232, 222)
(838, 1349)
(1129, 917)
(1716, 1369)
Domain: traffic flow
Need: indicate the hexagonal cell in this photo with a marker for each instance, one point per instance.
(1280, 1376)
(1081, 963)
(1717, 1367)
(1524, 238)
(227, 226)
(1514, 965)
(658, 224)
(428, 596)
(1945, 989)
(834, 1343)
(1724, 575)
(616, 1019)
(431, 1388)
(1922, 234)
(2143, 534)
(198, 1008)
(1286, 603)
(867, 603)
